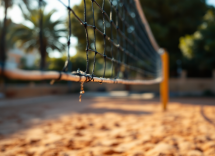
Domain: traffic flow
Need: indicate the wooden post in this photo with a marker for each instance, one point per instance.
(164, 86)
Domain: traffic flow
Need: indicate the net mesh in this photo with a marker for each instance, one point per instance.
(117, 44)
(129, 50)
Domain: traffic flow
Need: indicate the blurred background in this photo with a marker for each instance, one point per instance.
(39, 119)
(185, 28)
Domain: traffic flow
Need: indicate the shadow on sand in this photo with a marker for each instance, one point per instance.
(118, 111)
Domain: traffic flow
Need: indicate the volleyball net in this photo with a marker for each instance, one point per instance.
(117, 36)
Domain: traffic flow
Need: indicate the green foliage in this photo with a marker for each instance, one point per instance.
(168, 19)
(27, 37)
(6, 3)
(79, 31)
(9, 43)
(199, 47)
(6, 25)
(185, 45)
(171, 19)
(78, 62)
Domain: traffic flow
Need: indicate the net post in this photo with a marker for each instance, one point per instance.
(164, 86)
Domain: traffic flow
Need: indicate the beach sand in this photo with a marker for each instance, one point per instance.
(105, 126)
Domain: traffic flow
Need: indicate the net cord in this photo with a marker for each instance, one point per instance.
(49, 75)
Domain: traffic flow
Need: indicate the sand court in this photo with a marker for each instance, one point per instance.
(104, 126)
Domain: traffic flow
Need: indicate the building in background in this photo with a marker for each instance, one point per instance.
(17, 58)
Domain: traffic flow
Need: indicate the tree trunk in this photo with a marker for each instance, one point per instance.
(43, 58)
(2, 41)
(3, 48)
(42, 45)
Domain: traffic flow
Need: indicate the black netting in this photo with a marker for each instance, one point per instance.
(130, 49)
(126, 48)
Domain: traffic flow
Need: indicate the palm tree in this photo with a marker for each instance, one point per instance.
(9, 25)
(6, 5)
(28, 37)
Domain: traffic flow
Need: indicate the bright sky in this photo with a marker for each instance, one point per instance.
(211, 2)
(16, 16)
